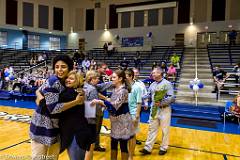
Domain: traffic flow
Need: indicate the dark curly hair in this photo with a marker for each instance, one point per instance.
(64, 58)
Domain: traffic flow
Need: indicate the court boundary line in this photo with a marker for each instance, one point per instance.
(179, 147)
(14, 145)
(200, 150)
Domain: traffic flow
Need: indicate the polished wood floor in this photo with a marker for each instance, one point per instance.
(185, 144)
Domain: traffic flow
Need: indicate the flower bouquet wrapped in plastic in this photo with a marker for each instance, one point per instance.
(158, 97)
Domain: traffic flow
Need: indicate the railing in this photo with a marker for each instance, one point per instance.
(44, 62)
(234, 92)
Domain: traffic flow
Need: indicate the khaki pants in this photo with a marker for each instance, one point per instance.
(44, 152)
(163, 120)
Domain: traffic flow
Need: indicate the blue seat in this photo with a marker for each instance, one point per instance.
(228, 105)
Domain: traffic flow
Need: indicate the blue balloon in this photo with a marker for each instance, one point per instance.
(6, 74)
(11, 78)
(149, 35)
(200, 85)
(191, 86)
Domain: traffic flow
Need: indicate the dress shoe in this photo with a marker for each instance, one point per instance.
(144, 151)
(162, 152)
(138, 142)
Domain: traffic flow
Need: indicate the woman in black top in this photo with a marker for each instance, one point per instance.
(74, 130)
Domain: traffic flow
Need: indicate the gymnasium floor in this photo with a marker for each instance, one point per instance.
(185, 143)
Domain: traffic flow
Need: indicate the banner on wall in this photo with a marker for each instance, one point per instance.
(132, 41)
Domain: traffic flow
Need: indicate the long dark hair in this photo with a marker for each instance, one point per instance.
(129, 72)
(121, 74)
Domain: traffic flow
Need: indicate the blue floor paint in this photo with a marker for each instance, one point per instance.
(231, 128)
(18, 103)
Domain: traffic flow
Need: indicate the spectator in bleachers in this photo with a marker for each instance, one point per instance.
(219, 76)
(76, 57)
(164, 68)
(8, 76)
(175, 59)
(235, 108)
(232, 37)
(40, 58)
(40, 79)
(47, 73)
(110, 49)
(105, 48)
(45, 55)
(93, 64)
(236, 70)
(33, 60)
(171, 72)
(81, 58)
(154, 65)
(2, 79)
(102, 71)
(19, 83)
(124, 63)
(75, 66)
(109, 72)
(86, 64)
(137, 60)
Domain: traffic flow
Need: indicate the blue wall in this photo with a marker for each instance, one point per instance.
(15, 39)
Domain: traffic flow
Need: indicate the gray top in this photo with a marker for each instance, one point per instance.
(168, 98)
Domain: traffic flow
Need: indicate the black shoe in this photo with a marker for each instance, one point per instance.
(214, 92)
(99, 149)
(162, 152)
(144, 151)
(138, 142)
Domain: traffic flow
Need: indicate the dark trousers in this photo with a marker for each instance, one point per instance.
(19, 85)
(236, 78)
(99, 120)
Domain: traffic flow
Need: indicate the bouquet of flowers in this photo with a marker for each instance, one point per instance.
(158, 97)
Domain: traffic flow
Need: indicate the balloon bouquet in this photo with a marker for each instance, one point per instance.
(195, 85)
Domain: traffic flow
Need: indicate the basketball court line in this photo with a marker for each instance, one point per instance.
(210, 152)
(178, 147)
(11, 146)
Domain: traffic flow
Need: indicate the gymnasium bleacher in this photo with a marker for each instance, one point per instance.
(20, 61)
(158, 54)
(226, 57)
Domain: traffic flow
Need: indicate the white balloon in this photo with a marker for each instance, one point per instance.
(195, 88)
(191, 82)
